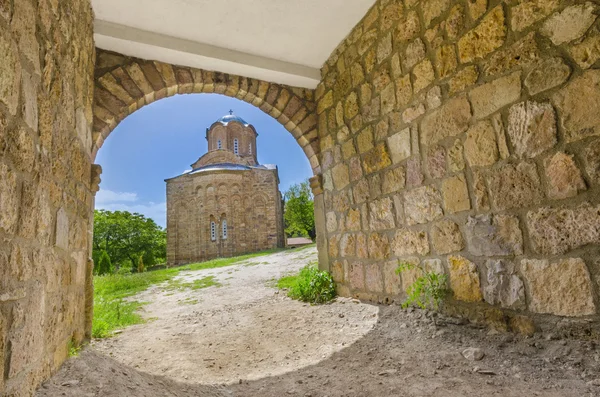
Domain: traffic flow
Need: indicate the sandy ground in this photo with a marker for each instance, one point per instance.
(246, 339)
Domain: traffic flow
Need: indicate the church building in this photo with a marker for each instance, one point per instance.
(228, 204)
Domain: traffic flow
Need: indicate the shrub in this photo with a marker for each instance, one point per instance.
(310, 285)
(104, 264)
(428, 291)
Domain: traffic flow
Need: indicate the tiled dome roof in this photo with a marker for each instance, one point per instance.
(231, 117)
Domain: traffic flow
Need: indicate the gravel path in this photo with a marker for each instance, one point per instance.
(244, 338)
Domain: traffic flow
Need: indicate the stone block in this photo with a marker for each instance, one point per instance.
(423, 75)
(334, 249)
(10, 73)
(433, 9)
(521, 54)
(436, 162)
(422, 205)
(515, 186)
(580, 119)
(351, 106)
(562, 287)
(410, 242)
(391, 280)
(384, 49)
(9, 197)
(450, 119)
(412, 113)
(456, 161)
(341, 176)
(348, 246)
(362, 248)
(379, 246)
(331, 221)
(355, 169)
(563, 176)
(381, 214)
(62, 229)
(388, 99)
(408, 27)
(480, 147)
(526, 13)
(488, 98)
(356, 275)
(547, 74)
(409, 276)
(353, 220)
(377, 159)
(414, 175)
(446, 61)
(373, 278)
(503, 286)
(464, 279)
(404, 91)
(393, 180)
(477, 8)
(555, 231)
(364, 140)
(497, 235)
(337, 271)
(484, 38)
(463, 79)
(532, 128)
(446, 237)
(587, 52)
(482, 200)
(415, 53)
(569, 24)
(456, 194)
(592, 160)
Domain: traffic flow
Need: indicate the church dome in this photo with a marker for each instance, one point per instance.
(231, 117)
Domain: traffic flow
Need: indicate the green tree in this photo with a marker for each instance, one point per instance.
(299, 215)
(140, 266)
(126, 237)
(103, 265)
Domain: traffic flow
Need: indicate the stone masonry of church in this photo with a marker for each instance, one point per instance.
(228, 204)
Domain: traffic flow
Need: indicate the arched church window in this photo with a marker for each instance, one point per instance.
(213, 231)
(224, 229)
(236, 146)
(219, 144)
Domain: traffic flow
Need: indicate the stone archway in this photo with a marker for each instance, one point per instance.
(124, 84)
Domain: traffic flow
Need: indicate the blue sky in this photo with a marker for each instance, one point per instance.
(162, 139)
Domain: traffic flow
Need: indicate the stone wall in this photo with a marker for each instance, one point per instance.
(249, 201)
(46, 83)
(465, 136)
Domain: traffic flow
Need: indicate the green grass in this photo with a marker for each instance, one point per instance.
(113, 311)
(309, 285)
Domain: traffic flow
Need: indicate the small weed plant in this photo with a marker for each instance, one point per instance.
(310, 285)
(74, 348)
(428, 291)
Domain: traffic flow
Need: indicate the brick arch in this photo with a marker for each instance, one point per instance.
(125, 84)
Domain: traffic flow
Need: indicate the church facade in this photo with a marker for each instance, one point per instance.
(228, 204)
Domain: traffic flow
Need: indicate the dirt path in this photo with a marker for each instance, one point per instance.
(252, 341)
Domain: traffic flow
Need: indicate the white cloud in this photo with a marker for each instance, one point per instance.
(156, 211)
(108, 196)
(124, 201)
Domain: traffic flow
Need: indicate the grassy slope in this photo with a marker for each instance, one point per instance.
(112, 312)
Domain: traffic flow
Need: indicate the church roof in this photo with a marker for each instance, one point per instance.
(231, 117)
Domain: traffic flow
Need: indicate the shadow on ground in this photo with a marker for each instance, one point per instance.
(406, 354)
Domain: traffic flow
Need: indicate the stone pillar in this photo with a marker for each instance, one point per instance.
(320, 226)
(95, 180)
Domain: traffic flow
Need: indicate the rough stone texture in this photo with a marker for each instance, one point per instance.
(547, 74)
(456, 161)
(399, 145)
(463, 79)
(560, 287)
(592, 160)
(436, 162)
(521, 54)
(563, 176)
(488, 98)
(245, 207)
(379, 246)
(515, 186)
(532, 128)
(450, 119)
(464, 279)
(528, 12)
(569, 24)
(555, 231)
(587, 52)
(410, 242)
(422, 205)
(485, 38)
(481, 148)
(499, 235)
(381, 214)
(503, 285)
(455, 194)
(446, 237)
(580, 118)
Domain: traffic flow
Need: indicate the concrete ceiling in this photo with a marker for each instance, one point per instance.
(284, 41)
